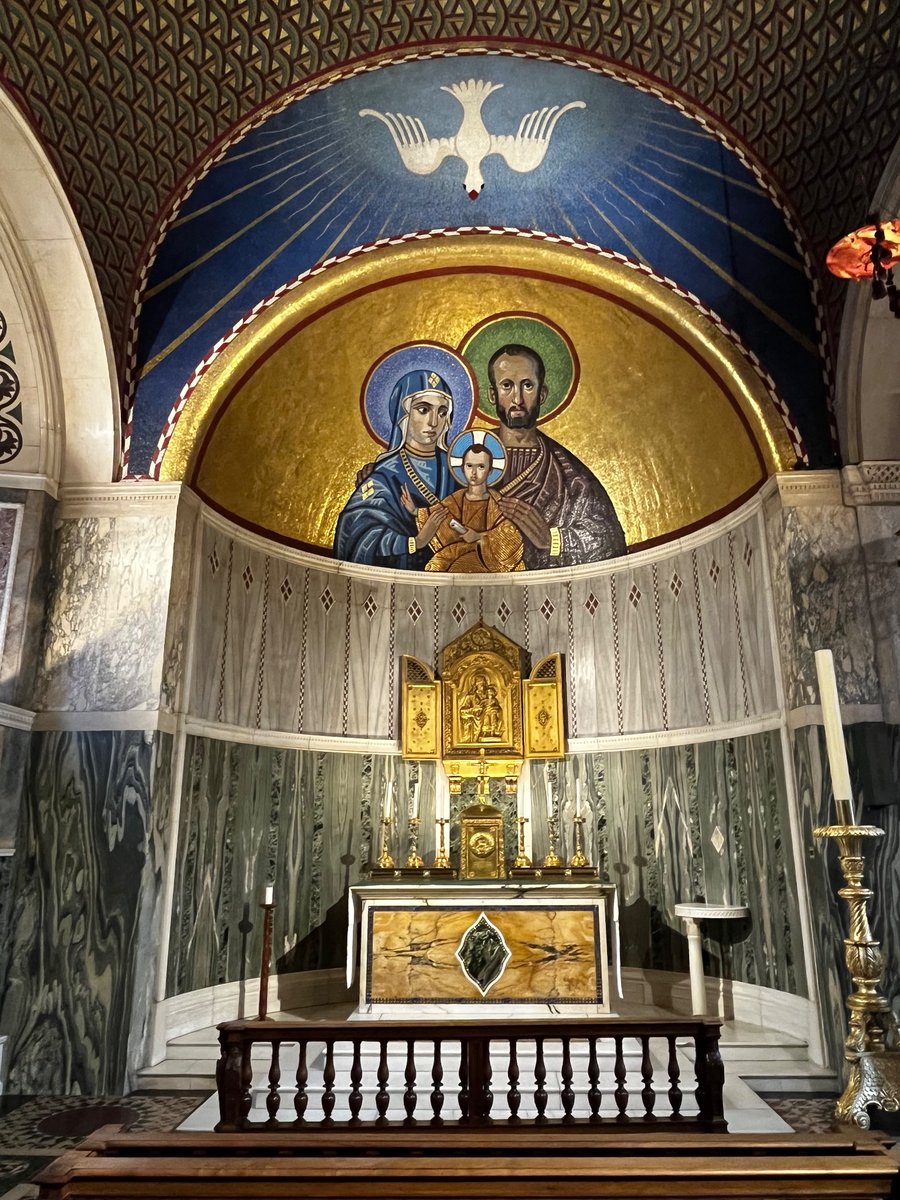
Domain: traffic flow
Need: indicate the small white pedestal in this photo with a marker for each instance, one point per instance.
(692, 915)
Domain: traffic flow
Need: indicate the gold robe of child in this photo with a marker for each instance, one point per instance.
(500, 547)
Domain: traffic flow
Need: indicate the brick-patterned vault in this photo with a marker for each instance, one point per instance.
(127, 93)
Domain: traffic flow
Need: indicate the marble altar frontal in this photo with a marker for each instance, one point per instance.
(439, 947)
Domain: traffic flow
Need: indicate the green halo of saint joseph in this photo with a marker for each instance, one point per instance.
(551, 344)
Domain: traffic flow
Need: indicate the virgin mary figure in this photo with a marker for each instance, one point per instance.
(377, 525)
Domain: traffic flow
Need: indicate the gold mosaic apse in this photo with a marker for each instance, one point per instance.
(666, 412)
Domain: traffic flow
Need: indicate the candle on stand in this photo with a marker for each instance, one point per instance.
(269, 895)
(834, 737)
(577, 797)
(414, 803)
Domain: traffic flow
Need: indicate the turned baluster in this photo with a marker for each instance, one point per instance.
(301, 1097)
(647, 1094)
(273, 1099)
(328, 1096)
(437, 1077)
(409, 1096)
(540, 1076)
(513, 1096)
(568, 1094)
(354, 1100)
(621, 1092)
(381, 1097)
(595, 1096)
(674, 1076)
(463, 1094)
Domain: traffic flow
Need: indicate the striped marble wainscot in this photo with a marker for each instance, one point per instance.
(83, 853)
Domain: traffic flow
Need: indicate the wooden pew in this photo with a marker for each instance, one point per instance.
(397, 1163)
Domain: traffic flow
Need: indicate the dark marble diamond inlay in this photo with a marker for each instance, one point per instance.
(483, 954)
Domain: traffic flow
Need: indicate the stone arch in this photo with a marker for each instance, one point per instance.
(57, 325)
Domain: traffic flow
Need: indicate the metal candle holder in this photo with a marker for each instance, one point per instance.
(385, 861)
(522, 859)
(872, 1048)
(442, 858)
(414, 858)
(579, 859)
(551, 858)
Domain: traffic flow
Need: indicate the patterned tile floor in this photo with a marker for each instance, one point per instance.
(36, 1129)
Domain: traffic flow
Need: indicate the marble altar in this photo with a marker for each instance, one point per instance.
(472, 949)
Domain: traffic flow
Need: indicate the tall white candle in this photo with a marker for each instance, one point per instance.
(577, 797)
(269, 895)
(414, 803)
(834, 735)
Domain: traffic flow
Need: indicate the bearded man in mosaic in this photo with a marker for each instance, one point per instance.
(559, 506)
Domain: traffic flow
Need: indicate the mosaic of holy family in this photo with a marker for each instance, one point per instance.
(463, 342)
(445, 496)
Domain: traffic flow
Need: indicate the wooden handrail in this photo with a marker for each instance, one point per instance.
(469, 1046)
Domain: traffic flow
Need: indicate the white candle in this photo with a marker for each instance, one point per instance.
(414, 806)
(577, 797)
(270, 895)
(834, 735)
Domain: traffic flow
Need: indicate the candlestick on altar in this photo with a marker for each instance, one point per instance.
(442, 859)
(414, 858)
(834, 737)
(268, 907)
(579, 859)
(551, 858)
(385, 861)
(522, 859)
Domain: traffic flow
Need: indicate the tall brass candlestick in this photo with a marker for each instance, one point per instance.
(522, 859)
(414, 858)
(872, 1048)
(579, 859)
(385, 861)
(551, 858)
(442, 859)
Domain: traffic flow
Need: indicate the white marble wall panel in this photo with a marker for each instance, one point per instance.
(210, 632)
(645, 703)
(597, 691)
(370, 674)
(878, 526)
(660, 643)
(326, 654)
(187, 559)
(106, 617)
(246, 616)
(282, 680)
(821, 600)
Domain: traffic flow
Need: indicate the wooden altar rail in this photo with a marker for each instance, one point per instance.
(407, 1108)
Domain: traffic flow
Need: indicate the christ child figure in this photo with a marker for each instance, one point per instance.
(474, 535)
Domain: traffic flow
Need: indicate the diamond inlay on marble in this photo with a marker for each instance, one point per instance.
(483, 954)
(718, 840)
